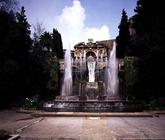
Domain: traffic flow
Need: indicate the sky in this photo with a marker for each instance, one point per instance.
(78, 20)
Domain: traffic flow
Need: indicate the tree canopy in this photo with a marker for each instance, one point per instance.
(149, 47)
(25, 68)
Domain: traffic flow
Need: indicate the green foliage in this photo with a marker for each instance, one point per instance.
(24, 31)
(155, 103)
(43, 72)
(14, 44)
(130, 76)
(30, 104)
(4, 135)
(46, 41)
(57, 44)
(149, 46)
(38, 31)
(54, 68)
(52, 42)
(38, 72)
(25, 70)
(54, 80)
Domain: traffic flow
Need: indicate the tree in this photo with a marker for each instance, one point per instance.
(46, 41)
(14, 49)
(146, 19)
(9, 5)
(8, 65)
(23, 46)
(150, 28)
(38, 31)
(44, 69)
(57, 44)
(24, 31)
(24, 72)
(38, 73)
(130, 76)
(124, 38)
(54, 85)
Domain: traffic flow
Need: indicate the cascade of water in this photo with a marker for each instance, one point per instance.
(67, 83)
(112, 73)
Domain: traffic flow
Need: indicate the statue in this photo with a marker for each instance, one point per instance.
(91, 68)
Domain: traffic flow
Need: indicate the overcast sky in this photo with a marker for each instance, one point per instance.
(78, 20)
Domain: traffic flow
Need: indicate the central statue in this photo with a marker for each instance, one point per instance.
(91, 69)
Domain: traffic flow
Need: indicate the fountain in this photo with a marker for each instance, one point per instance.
(67, 83)
(93, 94)
(112, 74)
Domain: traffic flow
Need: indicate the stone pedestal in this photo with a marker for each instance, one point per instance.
(92, 90)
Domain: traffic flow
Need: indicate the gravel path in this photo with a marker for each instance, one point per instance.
(82, 128)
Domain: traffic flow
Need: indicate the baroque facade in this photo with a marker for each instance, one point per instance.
(99, 50)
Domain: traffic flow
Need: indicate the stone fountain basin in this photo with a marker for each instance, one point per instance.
(69, 105)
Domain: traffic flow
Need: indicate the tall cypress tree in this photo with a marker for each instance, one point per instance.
(57, 44)
(24, 43)
(24, 31)
(124, 37)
